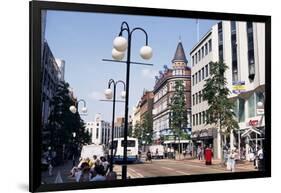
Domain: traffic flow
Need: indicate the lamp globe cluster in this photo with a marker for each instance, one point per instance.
(120, 44)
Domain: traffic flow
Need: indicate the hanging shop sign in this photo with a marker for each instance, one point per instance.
(238, 87)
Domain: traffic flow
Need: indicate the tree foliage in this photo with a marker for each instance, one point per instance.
(62, 122)
(178, 120)
(143, 130)
(215, 92)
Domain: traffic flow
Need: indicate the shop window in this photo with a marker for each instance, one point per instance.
(251, 106)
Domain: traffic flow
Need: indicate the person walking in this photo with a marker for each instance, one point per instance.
(199, 153)
(208, 156)
(232, 157)
(260, 159)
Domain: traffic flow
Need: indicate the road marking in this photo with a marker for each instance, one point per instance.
(136, 173)
(167, 168)
(181, 172)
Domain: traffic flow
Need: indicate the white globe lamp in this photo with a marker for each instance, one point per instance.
(146, 52)
(117, 55)
(120, 43)
(260, 105)
(73, 109)
(108, 93)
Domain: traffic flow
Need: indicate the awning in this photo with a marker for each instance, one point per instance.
(251, 130)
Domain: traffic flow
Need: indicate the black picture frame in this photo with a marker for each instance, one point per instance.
(35, 107)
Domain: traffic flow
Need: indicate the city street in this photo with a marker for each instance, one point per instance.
(167, 167)
(162, 167)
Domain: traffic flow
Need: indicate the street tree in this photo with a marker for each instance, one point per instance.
(178, 119)
(143, 130)
(62, 123)
(220, 111)
(147, 128)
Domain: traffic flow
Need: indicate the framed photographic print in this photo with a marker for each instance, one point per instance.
(127, 96)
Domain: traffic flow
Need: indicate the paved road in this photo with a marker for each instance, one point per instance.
(167, 167)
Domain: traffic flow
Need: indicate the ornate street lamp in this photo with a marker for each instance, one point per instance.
(74, 108)
(108, 95)
(120, 45)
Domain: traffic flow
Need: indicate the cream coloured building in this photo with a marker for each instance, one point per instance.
(99, 129)
(241, 45)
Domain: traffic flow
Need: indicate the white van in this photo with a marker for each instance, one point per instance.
(89, 150)
(157, 151)
(132, 149)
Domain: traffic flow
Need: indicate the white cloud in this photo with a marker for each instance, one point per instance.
(148, 73)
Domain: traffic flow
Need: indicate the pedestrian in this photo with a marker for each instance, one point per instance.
(95, 158)
(199, 153)
(100, 175)
(105, 164)
(85, 174)
(225, 155)
(139, 155)
(232, 158)
(184, 153)
(82, 172)
(173, 153)
(208, 156)
(169, 152)
(260, 159)
(75, 169)
(148, 156)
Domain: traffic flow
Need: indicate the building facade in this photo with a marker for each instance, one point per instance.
(146, 104)
(99, 129)
(163, 92)
(50, 76)
(241, 46)
(135, 117)
(119, 127)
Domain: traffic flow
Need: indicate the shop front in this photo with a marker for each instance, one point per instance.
(251, 138)
(204, 138)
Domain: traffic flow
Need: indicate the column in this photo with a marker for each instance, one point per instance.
(218, 145)
(231, 139)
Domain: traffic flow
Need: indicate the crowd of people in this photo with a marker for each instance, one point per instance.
(96, 169)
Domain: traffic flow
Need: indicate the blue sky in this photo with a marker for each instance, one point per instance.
(84, 39)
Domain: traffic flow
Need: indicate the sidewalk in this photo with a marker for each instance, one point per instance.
(64, 171)
(240, 164)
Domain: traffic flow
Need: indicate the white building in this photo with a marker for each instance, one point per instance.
(241, 45)
(99, 129)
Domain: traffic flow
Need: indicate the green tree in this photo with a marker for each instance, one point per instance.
(143, 130)
(215, 92)
(178, 119)
(62, 123)
(147, 128)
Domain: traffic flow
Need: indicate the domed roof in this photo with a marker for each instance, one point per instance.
(180, 55)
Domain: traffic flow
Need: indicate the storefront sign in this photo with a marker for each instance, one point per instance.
(253, 122)
(238, 87)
